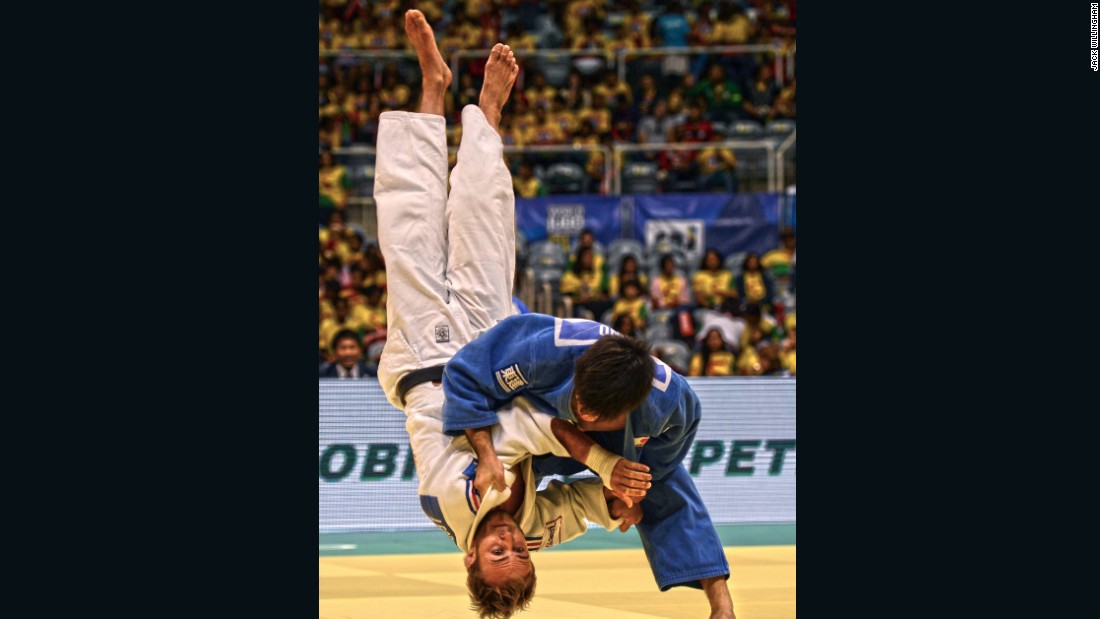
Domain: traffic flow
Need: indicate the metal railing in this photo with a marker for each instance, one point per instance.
(765, 145)
(615, 156)
(781, 155)
(370, 151)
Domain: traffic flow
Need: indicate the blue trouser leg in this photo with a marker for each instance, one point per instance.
(678, 536)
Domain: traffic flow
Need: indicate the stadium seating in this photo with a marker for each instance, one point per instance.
(565, 178)
(661, 325)
(779, 128)
(745, 130)
(733, 262)
(673, 352)
(619, 248)
(640, 177)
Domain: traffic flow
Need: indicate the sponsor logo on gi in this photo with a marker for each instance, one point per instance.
(510, 378)
(442, 333)
(641, 440)
(553, 532)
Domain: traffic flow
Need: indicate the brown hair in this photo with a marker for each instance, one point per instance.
(614, 376)
(499, 602)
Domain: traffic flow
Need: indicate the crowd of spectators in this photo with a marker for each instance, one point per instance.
(571, 100)
(726, 319)
(723, 321)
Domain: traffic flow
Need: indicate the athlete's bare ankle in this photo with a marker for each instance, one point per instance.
(492, 116)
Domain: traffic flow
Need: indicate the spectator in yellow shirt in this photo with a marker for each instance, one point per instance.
(586, 285)
(526, 184)
(580, 12)
(333, 184)
(623, 41)
(787, 352)
(781, 260)
(351, 251)
(587, 239)
(544, 132)
(759, 328)
(522, 117)
(732, 26)
(628, 269)
(593, 159)
(382, 36)
(714, 357)
(669, 290)
(509, 134)
(342, 320)
(562, 116)
(610, 88)
(637, 24)
(752, 285)
(539, 94)
(596, 115)
(712, 283)
(374, 309)
(624, 324)
(717, 166)
(520, 39)
(633, 303)
(347, 37)
(393, 94)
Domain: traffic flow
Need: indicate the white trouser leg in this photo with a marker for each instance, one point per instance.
(410, 191)
(481, 216)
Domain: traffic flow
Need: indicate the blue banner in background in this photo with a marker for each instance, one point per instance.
(565, 216)
(744, 222)
(690, 222)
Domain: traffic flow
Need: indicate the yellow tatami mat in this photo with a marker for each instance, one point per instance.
(572, 584)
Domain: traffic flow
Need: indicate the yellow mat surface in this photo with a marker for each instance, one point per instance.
(587, 584)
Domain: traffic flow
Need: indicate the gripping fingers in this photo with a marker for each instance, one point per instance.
(623, 498)
(636, 470)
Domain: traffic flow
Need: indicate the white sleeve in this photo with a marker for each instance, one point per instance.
(564, 510)
(522, 432)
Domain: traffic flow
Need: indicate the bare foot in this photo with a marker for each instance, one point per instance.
(500, 74)
(435, 74)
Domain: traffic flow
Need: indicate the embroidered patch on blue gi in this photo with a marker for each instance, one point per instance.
(510, 378)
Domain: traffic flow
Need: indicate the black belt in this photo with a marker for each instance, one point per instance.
(417, 377)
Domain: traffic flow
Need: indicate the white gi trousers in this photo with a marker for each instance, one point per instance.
(450, 259)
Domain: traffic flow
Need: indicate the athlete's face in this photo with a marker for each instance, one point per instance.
(501, 549)
(590, 422)
(601, 425)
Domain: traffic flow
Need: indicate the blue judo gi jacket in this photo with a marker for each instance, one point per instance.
(533, 355)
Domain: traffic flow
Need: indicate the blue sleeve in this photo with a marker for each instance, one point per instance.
(532, 355)
(485, 375)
